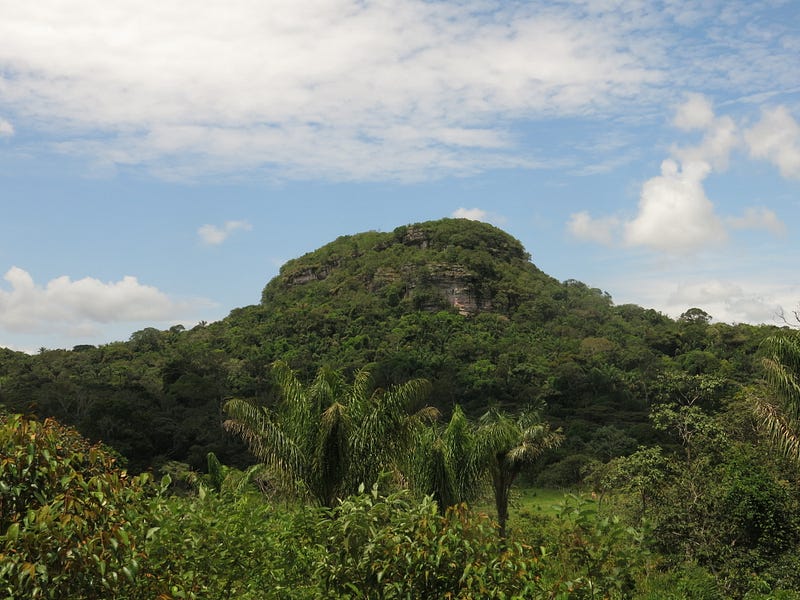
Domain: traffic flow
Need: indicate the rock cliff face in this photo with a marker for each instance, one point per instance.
(457, 286)
(416, 236)
(453, 283)
(311, 274)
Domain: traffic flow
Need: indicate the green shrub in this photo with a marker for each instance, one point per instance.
(597, 555)
(69, 524)
(218, 547)
(387, 547)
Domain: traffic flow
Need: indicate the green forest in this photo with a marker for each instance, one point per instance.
(420, 413)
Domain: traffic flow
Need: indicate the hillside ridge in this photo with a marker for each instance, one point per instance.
(447, 263)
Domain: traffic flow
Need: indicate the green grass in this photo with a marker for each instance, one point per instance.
(527, 502)
(540, 501)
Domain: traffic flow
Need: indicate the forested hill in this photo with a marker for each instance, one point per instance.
(456, 301)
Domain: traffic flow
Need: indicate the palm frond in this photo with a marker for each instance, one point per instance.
(535, 441)
(781, 430)
(295, 408)
(442, 484)
(783, 381)
(359, 392)
(332, 452)
(779, 417)
(266, 440)
(387, 418)
(459, 439)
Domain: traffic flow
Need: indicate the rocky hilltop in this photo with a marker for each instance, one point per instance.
(470, 266)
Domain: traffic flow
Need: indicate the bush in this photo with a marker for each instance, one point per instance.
(597, 555)
(218, 546)
(387, 547)
(68, 516)
(567, 472)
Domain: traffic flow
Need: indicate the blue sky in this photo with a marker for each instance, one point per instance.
(159, 161)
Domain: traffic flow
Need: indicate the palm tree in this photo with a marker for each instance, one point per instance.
(445, 464)
(506, 446)
(780, 413)
(330, 436)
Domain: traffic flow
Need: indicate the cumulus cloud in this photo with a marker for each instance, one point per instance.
(473, 214)
(721, 137)
(62, 302)
(6, 128)
(738, 295)
(214, 236)
(729, 300)
(674, 215)
(695, 113)
(478, 214)
(776, 138)
(602, 231)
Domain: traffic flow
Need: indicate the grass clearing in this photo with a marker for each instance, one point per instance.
(527, 502)
(541, 501)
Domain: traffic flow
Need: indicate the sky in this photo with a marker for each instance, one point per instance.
(159, 161)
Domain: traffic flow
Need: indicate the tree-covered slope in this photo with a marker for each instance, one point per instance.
(456, 301)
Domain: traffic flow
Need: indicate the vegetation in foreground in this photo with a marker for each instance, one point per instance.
(224, 541)
(713, 515)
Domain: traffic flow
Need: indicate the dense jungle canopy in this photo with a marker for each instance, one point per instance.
(454, 301)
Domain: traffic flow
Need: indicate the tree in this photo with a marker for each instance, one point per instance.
(71, 521)
(330, 436)
(506, 446)
(695, 315)
(446, 464)
(779, 411)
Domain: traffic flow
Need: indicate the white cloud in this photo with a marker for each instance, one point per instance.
(721, 138)
(584, 227)
(339, 88)
(346, 89)
(478, 214)
(759, 218)
(675, 216)
(63, 303)
(696, 112)
(731, 301)
(214, 236)
(473, 214)
(6, 128)
(742, 295)
(776, 138)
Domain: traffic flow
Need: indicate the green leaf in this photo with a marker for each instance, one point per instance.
(128, 573)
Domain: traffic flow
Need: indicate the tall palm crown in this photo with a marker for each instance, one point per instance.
(780, 413)
(445, 464)
(506, 446)
(330, 436)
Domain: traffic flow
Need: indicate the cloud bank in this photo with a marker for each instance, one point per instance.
(346, 89)
(80, 304)
(735, 298)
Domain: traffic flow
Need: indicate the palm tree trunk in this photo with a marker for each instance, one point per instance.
(501, 481)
